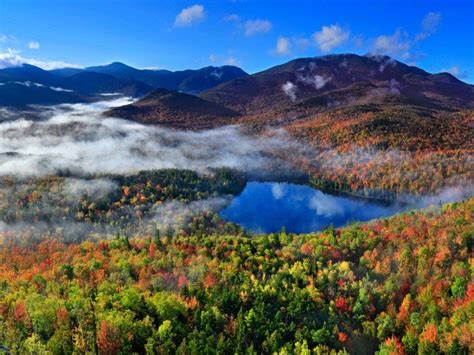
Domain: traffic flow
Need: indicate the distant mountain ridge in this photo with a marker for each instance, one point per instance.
(27, 84)
(188, 81)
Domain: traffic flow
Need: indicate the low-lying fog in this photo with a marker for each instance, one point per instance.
(77, 138)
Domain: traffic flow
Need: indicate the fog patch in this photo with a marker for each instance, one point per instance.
(95, 189)
(60, 89)
(174, 215)
(290, 90)
(394, 87)
(316, 81)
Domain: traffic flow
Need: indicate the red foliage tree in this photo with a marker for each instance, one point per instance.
(108, 339)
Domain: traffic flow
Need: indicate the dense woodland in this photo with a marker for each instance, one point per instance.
(398, 285)
(93, 265)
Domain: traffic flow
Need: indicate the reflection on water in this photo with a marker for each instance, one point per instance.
(269, 207)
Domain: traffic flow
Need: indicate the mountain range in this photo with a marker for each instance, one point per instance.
(329, 100)
(28, 85)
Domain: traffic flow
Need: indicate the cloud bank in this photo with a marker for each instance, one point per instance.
(12, 58)
(78, 139)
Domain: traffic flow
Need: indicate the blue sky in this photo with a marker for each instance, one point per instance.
(433, 34)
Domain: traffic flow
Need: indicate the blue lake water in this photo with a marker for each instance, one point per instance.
(268, 207)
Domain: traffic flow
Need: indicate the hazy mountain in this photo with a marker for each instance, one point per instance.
(29, 73)
(96, 83)
(27, 84)
(18, 94)
(112, 78)
(175, 109)
(65, 72)
(189, 81)
(293, 91)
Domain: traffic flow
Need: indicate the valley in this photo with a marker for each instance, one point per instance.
(324, 204)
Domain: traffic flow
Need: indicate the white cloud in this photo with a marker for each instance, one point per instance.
(253, 27)
(456, 71)
(429, 25)
(358, 41)
(399, 43)
(394, 44)
(223, 59)
(190, 15)
(283, 46)
(33, 45)
(302, 43)
(152, 67)
(12, 58)
(231, 61)
(232, 18)
(290, 90)
(330, 37)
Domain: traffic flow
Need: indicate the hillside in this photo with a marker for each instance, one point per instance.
(315, 84)
(341, 99)
(401, 285)
(175, 109)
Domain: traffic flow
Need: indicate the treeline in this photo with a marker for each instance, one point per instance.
(398, 285)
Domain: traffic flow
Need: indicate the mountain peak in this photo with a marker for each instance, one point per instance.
(118, 65)
(112, 68)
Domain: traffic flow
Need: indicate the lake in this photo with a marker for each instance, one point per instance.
(266, 207)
